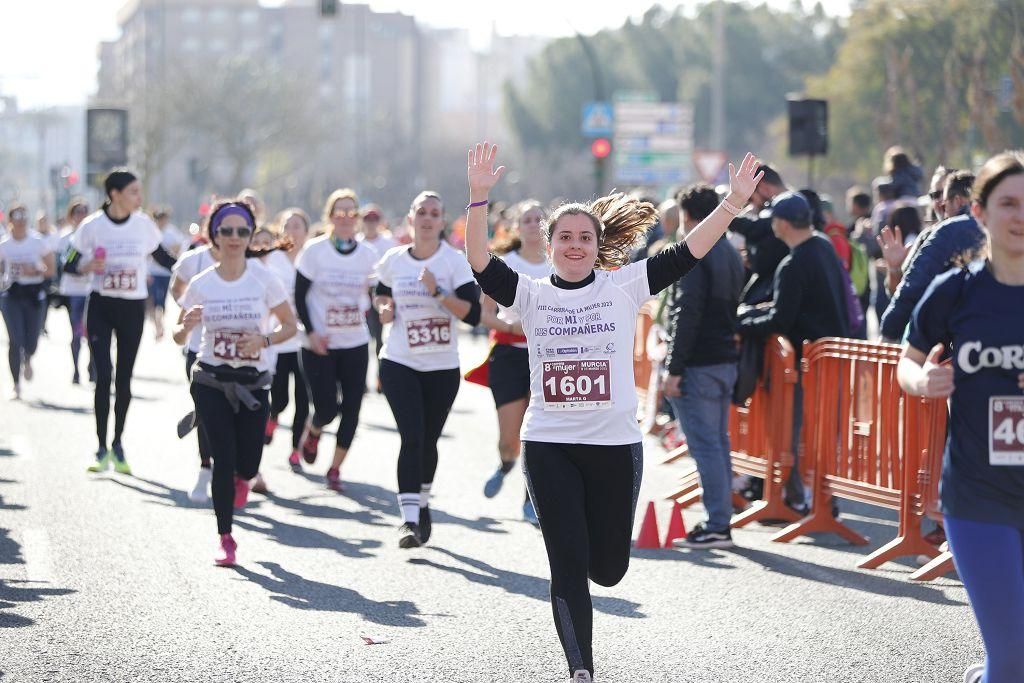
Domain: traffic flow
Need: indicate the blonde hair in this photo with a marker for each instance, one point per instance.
(334, 198)
(619, 220)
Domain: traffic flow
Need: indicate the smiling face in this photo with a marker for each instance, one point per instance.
(233, 245)
(344, 217)
(573, 246)
(427, 218)
(1003, 216)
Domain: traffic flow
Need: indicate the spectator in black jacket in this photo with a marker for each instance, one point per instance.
(809, 302)
(764, 249)
(702, 366)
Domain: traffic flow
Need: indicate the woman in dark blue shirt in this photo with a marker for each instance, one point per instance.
(976, 314)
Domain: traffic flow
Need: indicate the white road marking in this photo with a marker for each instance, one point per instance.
(35, 548)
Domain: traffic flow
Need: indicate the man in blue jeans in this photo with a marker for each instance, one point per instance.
(702, 366)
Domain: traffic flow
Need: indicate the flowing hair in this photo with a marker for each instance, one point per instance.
(619, 220)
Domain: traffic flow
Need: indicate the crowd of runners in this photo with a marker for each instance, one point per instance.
(282, 311)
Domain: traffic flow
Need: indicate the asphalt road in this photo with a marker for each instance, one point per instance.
(110, 577)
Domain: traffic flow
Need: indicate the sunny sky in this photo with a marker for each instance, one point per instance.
(48, 49)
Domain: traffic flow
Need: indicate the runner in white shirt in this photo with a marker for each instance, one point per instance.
(75, 288)
(114, 245)
(581, 443)
(370, 232)
(26, 261)
(424, 289)
(295, 225)
(172, 240)
(234, 303)
(508, 364)
(332, 288)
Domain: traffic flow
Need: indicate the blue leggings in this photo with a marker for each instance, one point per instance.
(990, 560)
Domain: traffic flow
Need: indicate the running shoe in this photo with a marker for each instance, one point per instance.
(120, 464)
(268, 431)
(425, 524)
(334, 479)
(241, 492)
(27, 369)
(200, 492)
(76, 378)
(493, 485)
(974, 673)
(102, 462)
(259, 485)
(581, 676)
(295, 462)
(702, 537)
(530, 514)
(409, 536)
(310, 444)
(225, 556)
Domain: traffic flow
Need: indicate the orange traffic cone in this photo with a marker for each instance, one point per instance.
(648, 537)
(676, 525)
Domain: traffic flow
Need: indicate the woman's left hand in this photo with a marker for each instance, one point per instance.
(743, 182)
(429, 281)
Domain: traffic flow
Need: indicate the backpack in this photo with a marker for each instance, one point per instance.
(860, 267)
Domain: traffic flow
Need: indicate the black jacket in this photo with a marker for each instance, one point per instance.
(702, 311)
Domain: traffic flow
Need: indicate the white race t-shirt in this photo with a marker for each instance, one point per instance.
(534, 271)
(70, 284)
(191, 263)
(381, 243)
(23, 254)
(278, 264)
(581, 357)
(232, 310)
(338, 299)
(424, 334)
(127, 245)
(172, 239)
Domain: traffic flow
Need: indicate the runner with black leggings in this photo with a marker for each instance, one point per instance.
(423, 288)
(332, 287)
(973, 314)
(582, 450)
(234, 303)
(113, 244)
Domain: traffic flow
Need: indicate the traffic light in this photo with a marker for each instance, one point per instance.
(601, 148)
(328, 8)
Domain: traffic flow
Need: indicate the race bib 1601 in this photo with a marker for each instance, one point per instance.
(577, 384)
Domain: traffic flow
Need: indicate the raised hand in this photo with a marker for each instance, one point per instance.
(743, 182)
(893, 251)
(482, 174)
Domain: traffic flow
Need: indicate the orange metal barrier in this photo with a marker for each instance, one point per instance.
(870, 443)
(934, 424)
(760, 439)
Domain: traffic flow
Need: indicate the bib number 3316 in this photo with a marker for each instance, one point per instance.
(1006, 430)
(577, 384)
(428, 334)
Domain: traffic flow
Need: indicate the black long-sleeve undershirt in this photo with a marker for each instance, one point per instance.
(74, 260)
(302, 285)
(467, 292)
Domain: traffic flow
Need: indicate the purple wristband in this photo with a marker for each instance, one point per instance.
(483, 203)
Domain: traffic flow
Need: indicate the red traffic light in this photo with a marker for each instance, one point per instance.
(601, 148)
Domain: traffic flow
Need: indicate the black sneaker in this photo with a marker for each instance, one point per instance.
(409, 536)
(424, 524)
(701, 537)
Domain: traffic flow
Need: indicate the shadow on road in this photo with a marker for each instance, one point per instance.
(295, 536)
(712, 559)
(163, 492)
(520, 584)
(854, 580)
(307, 509)
(291, 589)
(11, 595)
(10, 550)
(6, 452)
(40, 404)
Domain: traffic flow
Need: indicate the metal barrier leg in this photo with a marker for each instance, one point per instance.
(820, 520)
(689, 491)
(773, 505)
(940, 566)
(901, 546)
(676, 455)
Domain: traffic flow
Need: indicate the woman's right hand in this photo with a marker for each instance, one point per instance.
(317, 343)
(482, 174)
(97, 266)
(936, 381)
(385, 309)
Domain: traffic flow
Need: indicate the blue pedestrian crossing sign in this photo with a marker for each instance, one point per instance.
(597, 120)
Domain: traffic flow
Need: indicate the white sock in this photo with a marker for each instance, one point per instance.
(424, 495)
(410, 504)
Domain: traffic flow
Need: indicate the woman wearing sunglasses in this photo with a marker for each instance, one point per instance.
(113, 245)
(233, 302)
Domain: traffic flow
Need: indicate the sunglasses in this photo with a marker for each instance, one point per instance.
(936, 196)
(17, 215)
(340, 213)
(226, 231)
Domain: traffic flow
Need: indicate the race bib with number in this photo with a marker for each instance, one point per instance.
(1006, 430)
(343, 317)
(428, 334)
(20, 270)
(120, 280)
(225, 346)
(577, 384)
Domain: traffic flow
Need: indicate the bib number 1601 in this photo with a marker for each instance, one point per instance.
(577, 384)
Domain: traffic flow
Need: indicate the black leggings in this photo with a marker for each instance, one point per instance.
(23, 315)
(288, 366)
(420, 402)
(585, 497)
(344, 368)
(204, 445)
(105, 317)
(236, 440)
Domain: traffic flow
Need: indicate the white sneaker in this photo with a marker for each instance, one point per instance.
(581, 676)
(974, 673)
(200, 492)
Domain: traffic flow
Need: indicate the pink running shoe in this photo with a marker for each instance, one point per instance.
(295, 461)
(334, 480)
(225, 556)
(268, 431)
(241, 492)
(310, 443)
